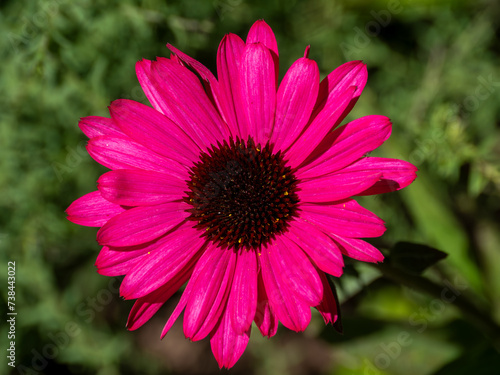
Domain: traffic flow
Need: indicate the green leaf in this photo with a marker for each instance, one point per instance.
(414, 258)
(484, 362)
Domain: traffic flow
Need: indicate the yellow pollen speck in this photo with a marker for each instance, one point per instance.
(239, 241)
(284, 176)
(286, 193)
(230, 215)
(149, 252)
(277, 219)
(258, 149)
(259, 254)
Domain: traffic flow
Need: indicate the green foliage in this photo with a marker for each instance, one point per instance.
(433, 69)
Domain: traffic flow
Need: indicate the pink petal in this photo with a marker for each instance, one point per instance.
(228, 69)
(347, 219)
(291, 310)
(321, 248)
(318, 128)
(352, 73)
(350, 143)
(243, 298)
(177, 311)
(297, 270)
(340, 185)
(358, 249)
(296, 96)
(227, 344)
(142, 70)
(201, 69)
(142, 224)
(261, 32)
(258, 91)
(92, 210)
(173, 254)
(154, 131)
(123, 153)
(211, 282)
(145, 307)
(396, 174)
(95, 126)
(265, 319)
(186, 102)
(114, 262)
(209, 81)
(129, 187)
(328, 306)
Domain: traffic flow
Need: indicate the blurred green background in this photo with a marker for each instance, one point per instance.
(433, 69)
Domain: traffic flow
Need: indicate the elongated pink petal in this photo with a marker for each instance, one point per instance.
(174, 253)
(347, 219)
(321, 248)
(227, 344)
(243, 298)
(318, 129)
(211, 284)
(261, 32)
(123, 153)
(258, 91)
(328, 306)
(92, 210)
(350, 143)
(142, 70)
(201, 69)
(95, 126)
(186, 102)
(228, 68)
(145, 307)
(177, 311)
(285, 302)
(209, 81)
(352, 73)
(154, 131)
(340, 185)
(265, 319)
(114, 262)
(358, 249)
(129, 187)
(297, 271)
(396, 174)
(142, 224)
(296, 96)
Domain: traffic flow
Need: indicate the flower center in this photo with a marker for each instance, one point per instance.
(242, 195)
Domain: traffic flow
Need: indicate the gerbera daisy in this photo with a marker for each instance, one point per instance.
(238, 186)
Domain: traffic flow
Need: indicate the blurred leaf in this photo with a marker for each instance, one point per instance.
(435, 219)
(478, 362)
(414, 258)
(477, 181)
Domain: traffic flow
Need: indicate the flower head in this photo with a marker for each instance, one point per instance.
(238, 186)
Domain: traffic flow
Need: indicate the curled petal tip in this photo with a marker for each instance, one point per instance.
(306, 52)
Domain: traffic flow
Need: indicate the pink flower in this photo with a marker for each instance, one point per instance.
(238, 186)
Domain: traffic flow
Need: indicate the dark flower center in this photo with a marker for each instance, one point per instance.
(242, 195)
